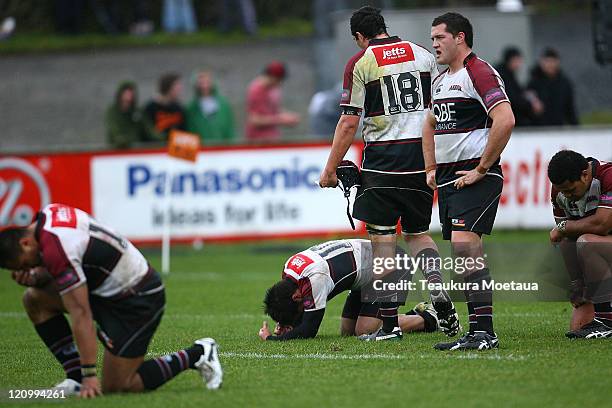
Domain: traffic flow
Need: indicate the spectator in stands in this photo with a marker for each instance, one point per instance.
(165, 112)
(554, 90)
(525, 104)
(125, 124)
(242, 10)
(178, 16)
(324, 112)
(209, 114)
(264, 113)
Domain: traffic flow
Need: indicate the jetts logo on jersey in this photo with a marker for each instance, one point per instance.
(393, 54)
(296, 265)
(23, 191)
(63, 216)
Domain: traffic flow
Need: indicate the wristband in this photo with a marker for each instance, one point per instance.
(561, 226)
(88, 370)
(481, 169)
(430, 168)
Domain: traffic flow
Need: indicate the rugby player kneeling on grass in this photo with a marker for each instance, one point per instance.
(314, 276)
(72, 264)
(582, 206)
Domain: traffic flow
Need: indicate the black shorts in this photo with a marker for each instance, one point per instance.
(384, 200)
(126, 324)
(472, 208)
(354, 307)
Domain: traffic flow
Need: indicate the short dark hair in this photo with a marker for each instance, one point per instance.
(455, 24)
(550, 52)
(368, 21)
(279, 304)
(566, 165)
(167, 81)
(9, 245)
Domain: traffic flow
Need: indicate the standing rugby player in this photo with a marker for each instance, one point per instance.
(462, 142)
(389, 82)
(582, 206)
(74, 265)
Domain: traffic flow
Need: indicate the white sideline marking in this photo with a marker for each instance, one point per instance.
(314, 356)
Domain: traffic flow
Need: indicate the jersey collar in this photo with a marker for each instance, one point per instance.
(382, 41)
(470, 57)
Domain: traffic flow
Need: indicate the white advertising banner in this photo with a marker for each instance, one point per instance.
(229, 193)
(525, 201)
(273, 192)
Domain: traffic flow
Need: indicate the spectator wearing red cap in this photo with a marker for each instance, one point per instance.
(264, 113)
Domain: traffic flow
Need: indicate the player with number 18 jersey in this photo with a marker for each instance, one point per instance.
(390, 83)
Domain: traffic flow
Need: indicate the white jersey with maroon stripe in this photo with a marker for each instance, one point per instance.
(76, 250)
(324, 270)
(390, 82)
(599, 195)
(461, 104)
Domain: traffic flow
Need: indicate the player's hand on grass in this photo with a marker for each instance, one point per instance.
(431, 179)
(90, 387)
(264, 332)
(468, 178)
(279, 330)
(328, 179)
(556, 236)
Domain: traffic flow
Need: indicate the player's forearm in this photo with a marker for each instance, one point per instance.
(587, 225)
(85, 335)
(308, 329)
(343, 138)
(429, 146)
(499, 135)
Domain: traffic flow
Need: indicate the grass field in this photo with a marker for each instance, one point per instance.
(218, 292)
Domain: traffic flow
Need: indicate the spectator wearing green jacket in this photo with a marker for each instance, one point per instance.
(209, 114)
(125, 124)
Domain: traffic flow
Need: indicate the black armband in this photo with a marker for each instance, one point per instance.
(88, 370)
(351, 110)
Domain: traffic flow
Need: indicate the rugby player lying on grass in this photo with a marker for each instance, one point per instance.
(582, 206)
(316, 275)
(72, 265)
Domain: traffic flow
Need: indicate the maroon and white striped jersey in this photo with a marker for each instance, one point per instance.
(76, 249)
(327, 269)
(599, 195)
(390, 82)
(461, 104)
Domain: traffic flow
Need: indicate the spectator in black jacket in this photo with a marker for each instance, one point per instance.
(165, 112)
(554, 90)
(525, 105)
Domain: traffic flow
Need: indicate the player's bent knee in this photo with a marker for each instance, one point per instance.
(586, 238)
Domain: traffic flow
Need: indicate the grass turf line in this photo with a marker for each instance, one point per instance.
(217, 292)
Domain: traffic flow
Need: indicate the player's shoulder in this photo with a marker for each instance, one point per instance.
(350, 64)
(301, 264)
(480, 72)
(420, 50)
(603, 173)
